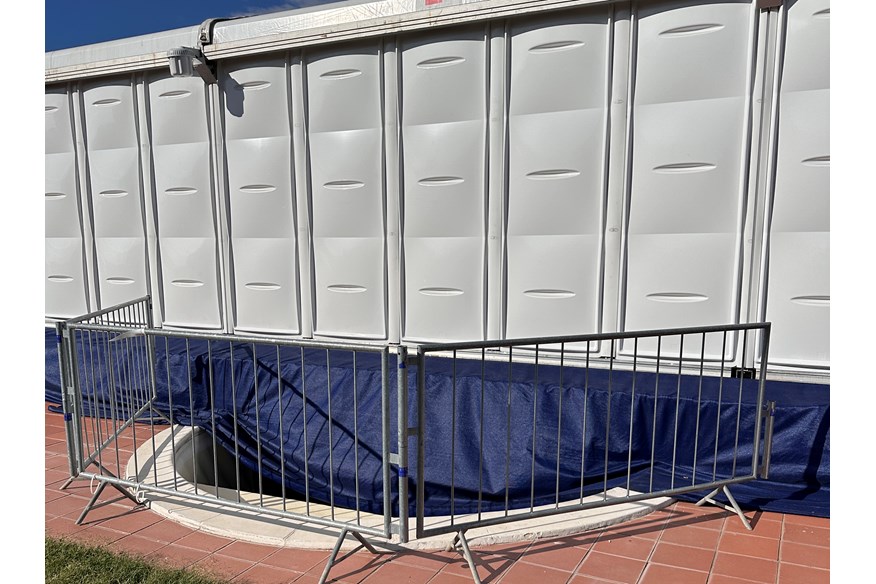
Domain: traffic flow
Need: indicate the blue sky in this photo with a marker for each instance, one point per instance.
(82, 22)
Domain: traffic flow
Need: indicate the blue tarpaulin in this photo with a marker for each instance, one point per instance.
(496, 406)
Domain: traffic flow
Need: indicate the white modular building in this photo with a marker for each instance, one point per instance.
(437, 170)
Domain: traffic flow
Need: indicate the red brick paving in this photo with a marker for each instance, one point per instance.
(681, 544)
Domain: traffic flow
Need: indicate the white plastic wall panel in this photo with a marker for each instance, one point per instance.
(345, 129)
(556, 174)
(689, 121)
(798, 302)
(187, 241)
(444, 192)
(115, 191)
(258, 148)
(66, 285)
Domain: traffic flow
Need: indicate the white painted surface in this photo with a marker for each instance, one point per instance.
(688, 161)
(451, 184)
(258, 150)
(65, 276)
(115, 191)
(798, 278)
(187, 241)
(345, 123)
(444, 195)
(556, 184)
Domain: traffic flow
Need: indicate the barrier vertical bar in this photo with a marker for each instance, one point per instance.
(402, 430)
(632, 411)
(720, 404)
(129, 378)
(282, 433)
(481, 438)
(677, 405)
(170, 407)
(355, 434)
(699, 402)
(453, 445)
(508, 431)
(654, 427)
(608, 424)
(534, 433)
(560, 424)
(584, 419)
(192, 417)
(115, 406)
(304, 419)
(93, 401)
(234, 418)
(385, 408)
(421, 430)
(739, 405)
(151, 396)
(328, 377)
(213, 415)
(255, 383)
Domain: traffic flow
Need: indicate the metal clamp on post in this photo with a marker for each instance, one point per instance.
(769, 414)
(743, 373)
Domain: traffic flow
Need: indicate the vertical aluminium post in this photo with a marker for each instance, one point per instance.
(64, 374)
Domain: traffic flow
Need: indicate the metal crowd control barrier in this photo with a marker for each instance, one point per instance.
(122, 317)
(134, 414)
(541, 354)
(131, 418)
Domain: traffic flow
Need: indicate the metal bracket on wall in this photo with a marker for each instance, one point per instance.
(188, 61)
(743, 372)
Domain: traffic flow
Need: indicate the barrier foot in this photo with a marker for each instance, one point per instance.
(332, 560)
(466, 553)
(66, 484)
(733, 506)
(100, 489)
(91, 502)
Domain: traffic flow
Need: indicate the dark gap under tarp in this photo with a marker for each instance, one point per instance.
(799, 475)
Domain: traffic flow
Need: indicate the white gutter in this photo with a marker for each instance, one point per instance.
(121, 56)
(384, 17)
(284, 30)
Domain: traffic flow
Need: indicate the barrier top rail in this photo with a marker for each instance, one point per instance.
(235, 338)
(107, 311)
(498, 344)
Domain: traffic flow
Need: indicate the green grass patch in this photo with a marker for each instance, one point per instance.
(68, 562)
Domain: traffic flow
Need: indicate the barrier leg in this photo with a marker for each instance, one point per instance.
(91, 502)
(466, 553)
(332, 560)
(100, 489)
(733, 506)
